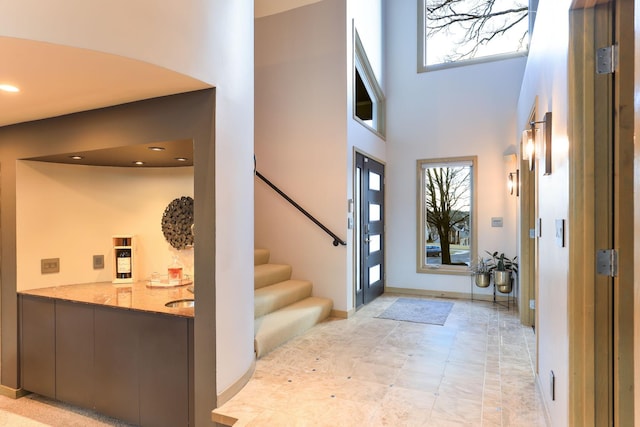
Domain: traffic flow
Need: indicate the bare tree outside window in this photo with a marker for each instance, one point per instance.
(457, 30)
(448, 203)
(446, 214)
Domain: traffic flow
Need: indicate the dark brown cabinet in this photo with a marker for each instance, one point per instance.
(38, 342)
(74, 353)
(132, 365)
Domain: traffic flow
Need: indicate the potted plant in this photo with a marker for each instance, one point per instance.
(482, 273)
(502, 268)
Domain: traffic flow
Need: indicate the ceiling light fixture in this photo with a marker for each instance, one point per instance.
(138, 163)
(156, 148)
(181, 159)
(9, 88)
(76, 157)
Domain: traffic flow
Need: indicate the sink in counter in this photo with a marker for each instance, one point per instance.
(181, 303)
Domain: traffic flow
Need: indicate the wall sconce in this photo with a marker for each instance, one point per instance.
(529, 143)
(529, 146)
(513, 182)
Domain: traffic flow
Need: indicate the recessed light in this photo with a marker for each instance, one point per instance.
(9, 88)
(138, 162)
(76, 157)
(181, 159)
(156, 148)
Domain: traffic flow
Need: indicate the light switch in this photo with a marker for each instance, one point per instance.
(560, 232)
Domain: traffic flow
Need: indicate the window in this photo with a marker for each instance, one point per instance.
(446, 215)
(459, 32)
(368, 99)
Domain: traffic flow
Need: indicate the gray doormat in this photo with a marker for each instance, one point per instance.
(418, 311)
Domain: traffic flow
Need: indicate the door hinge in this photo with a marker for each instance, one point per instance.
(607, 59)
(607, 262)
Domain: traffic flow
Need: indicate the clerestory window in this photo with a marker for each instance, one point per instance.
(368, 98)
(459, 32)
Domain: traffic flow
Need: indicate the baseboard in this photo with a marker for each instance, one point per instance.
(342, 314)
(221, 419)
(13, 393)
(234, 388)
(545, 403)
(446, 294)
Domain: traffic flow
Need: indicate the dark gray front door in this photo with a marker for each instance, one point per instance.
(369, 223)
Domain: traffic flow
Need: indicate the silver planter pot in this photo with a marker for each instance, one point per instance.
(483, 280)
(502, 280)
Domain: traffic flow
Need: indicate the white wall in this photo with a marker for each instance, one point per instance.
(213, 42)
(366, 17)
(460, 111)
(306, 134)
(71, 212)
(300, 127)
(546, 78)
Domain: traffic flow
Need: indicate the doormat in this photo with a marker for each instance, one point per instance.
(418, 311)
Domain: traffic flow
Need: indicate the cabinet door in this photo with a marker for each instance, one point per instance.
(37, 345)
(164, 371)
(74, 353)
(116, 363)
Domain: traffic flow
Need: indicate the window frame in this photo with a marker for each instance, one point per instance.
(421, 264)
(422, 49)
(362, 66)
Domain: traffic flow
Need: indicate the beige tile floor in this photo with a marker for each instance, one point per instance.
(475, 370)
(37, 411)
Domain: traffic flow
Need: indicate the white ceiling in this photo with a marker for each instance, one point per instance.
(271, 7)
(56, 80)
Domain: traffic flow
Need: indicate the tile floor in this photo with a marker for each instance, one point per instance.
(37, 411)
(475, 370)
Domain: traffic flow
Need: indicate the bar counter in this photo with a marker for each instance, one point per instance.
(137, 296)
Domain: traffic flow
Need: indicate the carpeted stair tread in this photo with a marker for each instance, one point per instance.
(268, 274)
(273, 329)
(261, 256)
(273, 297)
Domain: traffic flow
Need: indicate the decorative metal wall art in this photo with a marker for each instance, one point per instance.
(177, 221)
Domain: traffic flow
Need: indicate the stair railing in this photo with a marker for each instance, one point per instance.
(336, 240)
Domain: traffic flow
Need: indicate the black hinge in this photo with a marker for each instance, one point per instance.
(607, 59)
(607, 262)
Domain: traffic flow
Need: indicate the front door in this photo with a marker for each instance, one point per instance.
(369, 229)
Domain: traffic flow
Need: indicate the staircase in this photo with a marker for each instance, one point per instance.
(283, 307)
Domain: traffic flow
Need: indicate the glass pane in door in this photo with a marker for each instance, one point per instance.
(374, 212)
(374, 181)
(374, 243)
(374, 274)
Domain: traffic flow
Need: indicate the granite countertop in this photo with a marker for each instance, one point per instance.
(132, 296)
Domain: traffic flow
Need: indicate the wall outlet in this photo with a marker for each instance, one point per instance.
(98, 262)
(49, 265)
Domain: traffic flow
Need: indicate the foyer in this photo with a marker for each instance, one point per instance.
(475, 370)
